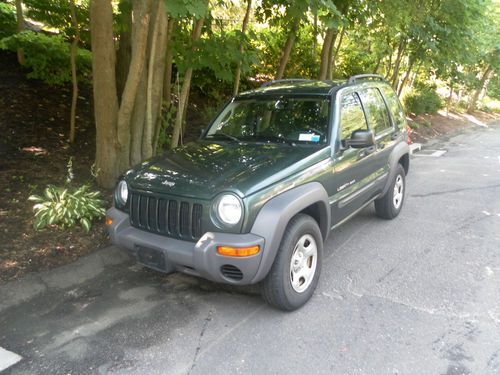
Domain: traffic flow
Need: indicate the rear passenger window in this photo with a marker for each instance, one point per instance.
(352, 116)
(376, 111)
(394, 106)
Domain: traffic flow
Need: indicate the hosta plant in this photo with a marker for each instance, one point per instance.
(65, 207)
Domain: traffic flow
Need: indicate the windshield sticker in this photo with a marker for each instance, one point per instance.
(308, 137)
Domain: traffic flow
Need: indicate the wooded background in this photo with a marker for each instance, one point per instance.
(145, 58)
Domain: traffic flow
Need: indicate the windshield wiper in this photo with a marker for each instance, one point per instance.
(276, 138)
(228, 136)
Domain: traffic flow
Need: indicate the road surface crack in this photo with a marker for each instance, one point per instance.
(200, 338)
(454, 191)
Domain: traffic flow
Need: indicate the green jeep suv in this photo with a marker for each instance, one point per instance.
(254, 199)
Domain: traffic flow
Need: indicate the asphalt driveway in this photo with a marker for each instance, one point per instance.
(416, 295)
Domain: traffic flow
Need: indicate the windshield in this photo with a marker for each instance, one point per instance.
(273, 119)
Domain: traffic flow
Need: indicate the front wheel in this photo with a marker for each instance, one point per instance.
(389, 205)
(295, 272)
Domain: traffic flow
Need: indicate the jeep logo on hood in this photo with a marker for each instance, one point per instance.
(168, 183)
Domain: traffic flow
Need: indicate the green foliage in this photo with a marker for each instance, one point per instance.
(56, 14)
(48, 56)
(268, 42)
(66, 207)
(167, 122)
(8, 23)
(423, 100)
(353, 62)
(494, 87)
(304, 60)
(184, 8)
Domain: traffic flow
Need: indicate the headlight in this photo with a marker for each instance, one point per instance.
(121, 193)
(229, 210)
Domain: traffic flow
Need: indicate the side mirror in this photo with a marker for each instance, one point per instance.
(361, 139)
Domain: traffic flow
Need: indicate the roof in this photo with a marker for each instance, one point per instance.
(295, 87)
(306, 87)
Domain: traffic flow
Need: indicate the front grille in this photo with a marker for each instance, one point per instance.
(169, 217)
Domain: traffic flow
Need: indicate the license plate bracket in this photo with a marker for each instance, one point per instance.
(151, 258)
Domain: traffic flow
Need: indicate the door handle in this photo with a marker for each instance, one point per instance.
(394, 136)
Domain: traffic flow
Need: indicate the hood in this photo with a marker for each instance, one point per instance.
(203, 169)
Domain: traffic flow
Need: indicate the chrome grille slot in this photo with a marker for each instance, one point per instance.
(172, 217)
(184, 219)
(196, 220)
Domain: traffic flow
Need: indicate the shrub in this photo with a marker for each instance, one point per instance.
(66, 207)
(48, 56)
(422, 99)
(8, 23)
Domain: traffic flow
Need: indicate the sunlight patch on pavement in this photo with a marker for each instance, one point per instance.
(8, 359)
(431, 153)
(474, 120)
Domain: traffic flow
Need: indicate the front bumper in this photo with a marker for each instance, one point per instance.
(198, 259)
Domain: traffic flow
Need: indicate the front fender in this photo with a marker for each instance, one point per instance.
(275, 215)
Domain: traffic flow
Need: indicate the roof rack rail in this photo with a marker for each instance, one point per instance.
(287, 80)
(362, 76)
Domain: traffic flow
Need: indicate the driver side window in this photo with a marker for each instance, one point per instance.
(352, 117)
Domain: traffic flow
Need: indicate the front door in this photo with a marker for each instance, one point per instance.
(353, 182)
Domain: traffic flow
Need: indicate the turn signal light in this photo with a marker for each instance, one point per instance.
(238, 251)
(109, 221)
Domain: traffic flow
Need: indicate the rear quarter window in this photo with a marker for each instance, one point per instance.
(376, 110)
(395, 107)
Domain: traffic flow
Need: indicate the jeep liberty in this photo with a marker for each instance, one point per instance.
(254, 199)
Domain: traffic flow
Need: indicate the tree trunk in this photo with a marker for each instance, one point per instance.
(244, 27)
(287, 49)
(186, 86)
(377, 65)
(450, 97)
(137, 122)
(473, 101)
(397, 64)
(74, 78)
(142, 14)
(389, 63)
(124, 53)
(330, 56)
(407, 75)
(331, 65)
(104, 86)
(20, 27)
(315, 33)
(484, 90)
(325, 53)
(156, 73)
(169, 56)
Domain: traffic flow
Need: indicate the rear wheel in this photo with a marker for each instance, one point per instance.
(295, 272)
(389, 205)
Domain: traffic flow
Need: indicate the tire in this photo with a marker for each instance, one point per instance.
(287, 287)
(389, 205)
